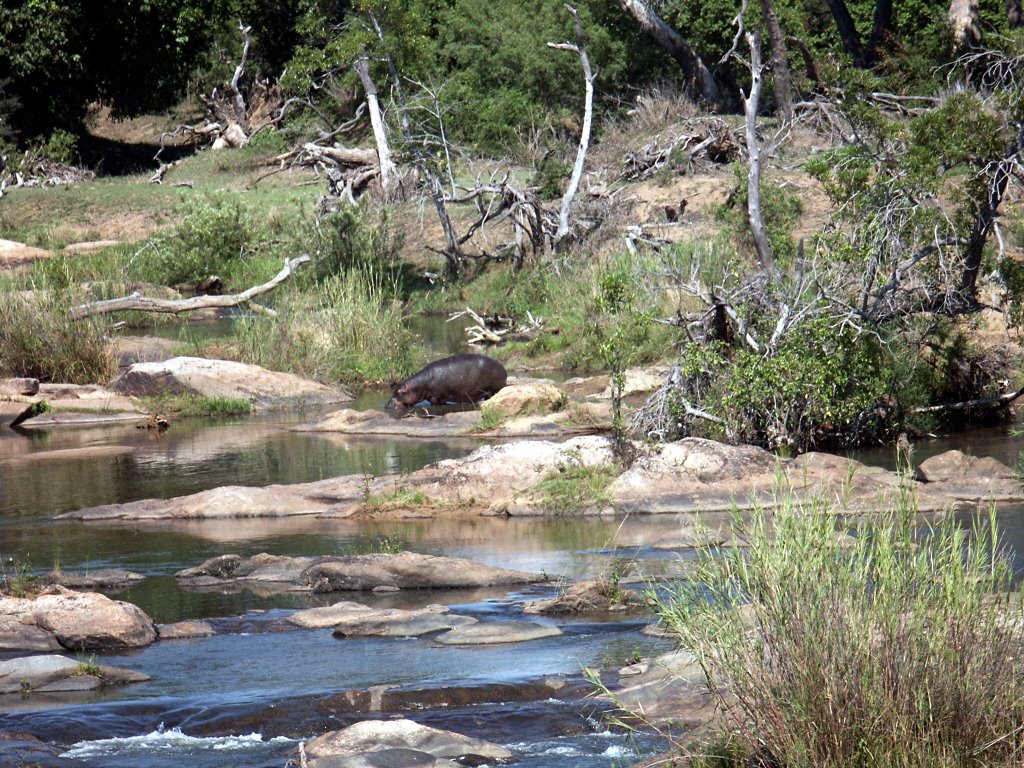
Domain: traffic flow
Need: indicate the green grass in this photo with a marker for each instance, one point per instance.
(87, 665)
(399, 499)
(16, 579)
(902, 650)
(197, 406)
(380, 544)
(37, 340)
(350, 329)
(574, 488)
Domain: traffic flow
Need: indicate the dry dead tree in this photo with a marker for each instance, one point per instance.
(141, 303)
(588, 112)
(233, 114)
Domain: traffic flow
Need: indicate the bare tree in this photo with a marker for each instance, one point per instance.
(750, 106)
(388, 170)
(588, 114)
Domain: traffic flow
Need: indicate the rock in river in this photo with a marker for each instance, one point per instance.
(60, 618)
(495, 632)
(374, 735)
(49, 674)
(356, 620)
(224, 378)
(405, 570)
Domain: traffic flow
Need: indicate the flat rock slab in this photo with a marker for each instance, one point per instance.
(371, 735)
(184, 630)
(50, 674)
(78, 621)
(316, 498)
(395, 622)
(406, 570)
(104, 578)
(224, 378)
(495, 632)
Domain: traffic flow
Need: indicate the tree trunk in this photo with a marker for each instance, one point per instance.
(588, 114)
(700, 84)
(1014, 14)
(388, 171)
(879, 28)
(780, 63)
(963, 19)
(847, 31)
(750, 103)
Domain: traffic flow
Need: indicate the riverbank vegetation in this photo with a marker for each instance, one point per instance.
(879, 644)
(817, 236)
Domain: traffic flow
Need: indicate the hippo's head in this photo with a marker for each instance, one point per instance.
(404, 396)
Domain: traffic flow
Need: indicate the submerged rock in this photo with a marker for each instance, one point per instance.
(49, 674)
(224, 378)
(496, 632)
(390, 757)
(667, 689)
(183, 630)
(104, 578)
(78, 621)
(374, 735)
(405, 570)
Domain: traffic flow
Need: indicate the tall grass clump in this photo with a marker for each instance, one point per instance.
(37, 340)
(900, 648)
(349, 329)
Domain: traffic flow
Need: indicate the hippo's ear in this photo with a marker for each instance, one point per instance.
(402, 389)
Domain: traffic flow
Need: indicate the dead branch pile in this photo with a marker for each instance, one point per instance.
(34, 171)
(495, 329)
(708, 140)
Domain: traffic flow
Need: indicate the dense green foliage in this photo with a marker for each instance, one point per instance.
(56, 57)
(500, 82)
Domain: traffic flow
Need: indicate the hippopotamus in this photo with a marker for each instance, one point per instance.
(455, 379)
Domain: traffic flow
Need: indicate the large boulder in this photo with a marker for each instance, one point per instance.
(52, 673)
(373, 735)
(968, 478)
(78, 621)
(224, 378)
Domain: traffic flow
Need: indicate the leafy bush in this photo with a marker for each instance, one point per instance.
(363, 236)
(213, 237)
(37, 340)
(780, 211)
(890, 647)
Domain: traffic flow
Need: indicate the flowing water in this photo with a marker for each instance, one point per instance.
(250, 693)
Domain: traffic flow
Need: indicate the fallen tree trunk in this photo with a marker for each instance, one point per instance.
(142, 303)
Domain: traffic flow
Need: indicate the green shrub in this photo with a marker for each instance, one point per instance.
(352, 237)
(213, 237)
(37, 340)
(890, 647)
(573, 488)
(780, 211)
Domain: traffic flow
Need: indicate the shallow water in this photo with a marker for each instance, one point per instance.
(246, 696)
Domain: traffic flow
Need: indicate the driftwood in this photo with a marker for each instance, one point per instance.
(495, 329)
(981, 403)
(141, 303)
